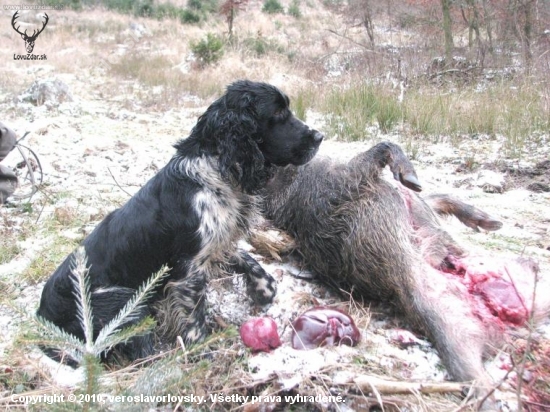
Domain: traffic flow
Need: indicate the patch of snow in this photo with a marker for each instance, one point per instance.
(292, 366)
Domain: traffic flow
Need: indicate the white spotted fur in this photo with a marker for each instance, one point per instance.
(225, 211)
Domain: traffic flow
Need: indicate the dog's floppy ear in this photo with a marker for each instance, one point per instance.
(231, 123)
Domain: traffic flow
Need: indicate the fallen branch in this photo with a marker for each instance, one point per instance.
(364, 46)
(450, 71)
(384, 386)
(119, 186)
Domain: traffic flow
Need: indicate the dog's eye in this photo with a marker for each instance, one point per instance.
(279, 112)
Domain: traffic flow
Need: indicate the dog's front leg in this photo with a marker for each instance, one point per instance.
(260, 285)
(182, 310)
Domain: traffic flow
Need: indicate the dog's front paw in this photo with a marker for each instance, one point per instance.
(261, 286)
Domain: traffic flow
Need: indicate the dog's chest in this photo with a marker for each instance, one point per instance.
(224, 216)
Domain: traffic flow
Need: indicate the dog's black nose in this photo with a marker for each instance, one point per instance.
(317, 136)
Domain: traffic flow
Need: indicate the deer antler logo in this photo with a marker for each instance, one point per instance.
(29, 40)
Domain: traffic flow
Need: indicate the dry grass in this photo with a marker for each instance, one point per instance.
(99, 40)
(516, 111)
(79, 41)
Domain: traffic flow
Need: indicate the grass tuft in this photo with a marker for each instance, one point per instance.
(354, 108)
(516, 113)
(8, 250)
(301, 103)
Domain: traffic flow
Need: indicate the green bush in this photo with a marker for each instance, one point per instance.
(189, 16)
(122, 6)
(144, 8)
(260, 45)
(294, 9)
(195, 4)
(149, 8)
(198, 10)
(205, 6)
(257, 45)
(168, 10)
(208, 50)
(272, 7)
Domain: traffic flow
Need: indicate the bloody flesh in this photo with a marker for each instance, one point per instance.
(503, 287)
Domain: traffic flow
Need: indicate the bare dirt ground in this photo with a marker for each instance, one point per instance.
(99, 146)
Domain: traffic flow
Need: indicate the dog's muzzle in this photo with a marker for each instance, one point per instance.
(317, 137)
(309, 150)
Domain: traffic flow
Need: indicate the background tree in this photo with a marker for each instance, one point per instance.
(524, 10)
(488, 19)
(470, 14)
(229, 9)
(447, 29)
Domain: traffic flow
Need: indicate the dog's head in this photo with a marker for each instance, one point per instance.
(251, 128)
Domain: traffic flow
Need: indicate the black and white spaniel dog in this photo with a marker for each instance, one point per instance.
(189, 217)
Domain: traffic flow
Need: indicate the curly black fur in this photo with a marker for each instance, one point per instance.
(189, 217)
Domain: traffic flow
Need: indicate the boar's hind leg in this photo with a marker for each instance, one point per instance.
(433, 242)
(445, 205)
(442, 311)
